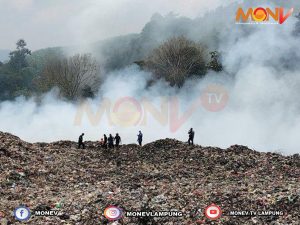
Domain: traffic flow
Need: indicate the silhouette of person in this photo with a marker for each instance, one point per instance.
(80, 142)
(104, 141)
(110, 141)
(118, 139)
(191, 136)
(140, 138)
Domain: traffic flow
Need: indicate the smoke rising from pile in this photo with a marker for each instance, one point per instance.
(261, 78)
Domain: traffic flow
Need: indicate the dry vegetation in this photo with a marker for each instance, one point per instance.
(178, 59)
(74, 76)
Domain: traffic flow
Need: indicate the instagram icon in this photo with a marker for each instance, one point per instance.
(113, 213)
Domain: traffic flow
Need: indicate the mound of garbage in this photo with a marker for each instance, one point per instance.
(165, 175)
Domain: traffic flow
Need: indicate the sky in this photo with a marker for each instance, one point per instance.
(50, 23)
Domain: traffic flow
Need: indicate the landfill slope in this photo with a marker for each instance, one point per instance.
(162, 175)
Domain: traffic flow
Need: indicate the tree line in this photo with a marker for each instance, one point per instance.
(79, 76)
(75, 76)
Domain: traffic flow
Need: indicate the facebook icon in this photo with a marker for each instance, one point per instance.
(22, 213)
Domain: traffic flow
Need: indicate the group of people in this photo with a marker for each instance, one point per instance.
(111, 142)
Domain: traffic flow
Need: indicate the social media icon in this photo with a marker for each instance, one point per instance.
(22, 213)
(113, 213)
(213, 212)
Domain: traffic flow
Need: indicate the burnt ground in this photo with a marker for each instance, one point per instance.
(162, 175)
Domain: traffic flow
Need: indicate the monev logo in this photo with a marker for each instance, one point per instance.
(262, 15)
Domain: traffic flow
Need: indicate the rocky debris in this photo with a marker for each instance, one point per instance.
(162, 175)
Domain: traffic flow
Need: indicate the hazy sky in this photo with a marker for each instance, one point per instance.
(44, 23)
(264, 61)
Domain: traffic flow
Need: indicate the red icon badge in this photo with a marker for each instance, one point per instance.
(213, 212)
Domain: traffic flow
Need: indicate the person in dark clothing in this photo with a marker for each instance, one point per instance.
(140, 138)
(110, 141)
(104, 145)
(80, 142)
(191, 136)
(118, 139)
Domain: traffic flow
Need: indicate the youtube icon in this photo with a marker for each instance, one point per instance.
(213, 212)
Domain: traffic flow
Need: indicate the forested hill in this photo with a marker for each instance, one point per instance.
(29, 73)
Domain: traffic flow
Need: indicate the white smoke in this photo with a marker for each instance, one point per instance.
(261, 78)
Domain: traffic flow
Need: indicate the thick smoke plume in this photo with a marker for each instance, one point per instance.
(260, 80)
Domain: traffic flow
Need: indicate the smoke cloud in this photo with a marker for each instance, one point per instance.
(260, 80)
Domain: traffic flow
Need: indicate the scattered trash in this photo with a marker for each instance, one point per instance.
(59, 204)
(160, 176)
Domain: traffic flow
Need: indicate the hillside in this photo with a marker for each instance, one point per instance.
(162, 175)
(121, 51)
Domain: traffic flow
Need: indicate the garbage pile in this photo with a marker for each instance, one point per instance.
(165, 175)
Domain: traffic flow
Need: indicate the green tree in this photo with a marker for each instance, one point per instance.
(10, 83)
(18, 57)
(16, 75)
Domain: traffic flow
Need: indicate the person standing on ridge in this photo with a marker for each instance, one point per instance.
(118, 140)
(104, 141)
(110, 141)
(80, 142)
(140, 138)
(191, 136)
